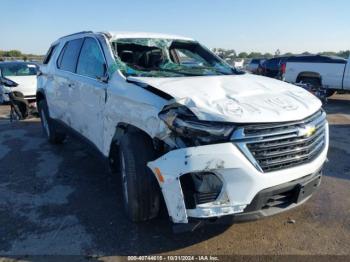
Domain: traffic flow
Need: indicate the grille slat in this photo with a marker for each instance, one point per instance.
(297, 157)
(289, 150)
(284, 145)
(203, 198)
(284, 142)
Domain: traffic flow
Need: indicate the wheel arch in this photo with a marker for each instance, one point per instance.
(308, 74)
(121, 129)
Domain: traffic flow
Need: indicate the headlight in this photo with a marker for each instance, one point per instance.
(185, 124)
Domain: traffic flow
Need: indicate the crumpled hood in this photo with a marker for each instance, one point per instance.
(238, 98)
(26, 84)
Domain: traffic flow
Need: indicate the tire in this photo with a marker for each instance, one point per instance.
(140, 189)
(49, 128)
(330, 92)
(314, 81)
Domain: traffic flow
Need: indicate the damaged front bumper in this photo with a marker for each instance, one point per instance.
(242, 183)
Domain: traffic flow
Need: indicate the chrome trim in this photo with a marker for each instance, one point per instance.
(297, 150)
(250, 140)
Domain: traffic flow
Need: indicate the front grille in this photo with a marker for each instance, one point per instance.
(202, 198)
(281, 200)
(283, 145)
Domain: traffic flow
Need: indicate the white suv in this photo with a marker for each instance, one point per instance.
(180, 124)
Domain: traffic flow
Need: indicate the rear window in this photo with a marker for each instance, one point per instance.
(18, 69)
(69, 55)
(49, 54)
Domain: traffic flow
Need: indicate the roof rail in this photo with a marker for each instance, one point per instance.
(106, 34)
(82, 32)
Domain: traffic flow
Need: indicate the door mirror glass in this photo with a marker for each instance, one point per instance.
(8, 82)
(105, 76)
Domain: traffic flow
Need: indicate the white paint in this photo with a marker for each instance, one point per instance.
(26, 85)
(94, 109)
(118, 35)
(238, 98)
(242, 181)
(331, 73)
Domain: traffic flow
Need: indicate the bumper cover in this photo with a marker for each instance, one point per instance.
(297, 192)
(274, 200)
(242, 182)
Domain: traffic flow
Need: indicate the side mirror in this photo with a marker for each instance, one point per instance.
(105, 76)
(7, 82)
(104, 79)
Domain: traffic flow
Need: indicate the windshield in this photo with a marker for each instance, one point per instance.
(18, 69)
(146, 57)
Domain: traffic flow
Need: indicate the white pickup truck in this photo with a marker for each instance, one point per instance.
(332, 73)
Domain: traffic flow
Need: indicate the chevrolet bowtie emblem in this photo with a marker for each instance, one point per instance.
(307, 131)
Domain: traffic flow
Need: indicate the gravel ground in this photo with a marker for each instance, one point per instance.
(60, 200)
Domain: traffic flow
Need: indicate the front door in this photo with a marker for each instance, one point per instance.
(88, 92)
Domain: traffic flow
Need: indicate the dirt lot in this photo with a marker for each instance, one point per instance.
(59, 200)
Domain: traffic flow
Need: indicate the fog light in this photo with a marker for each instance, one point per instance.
(206, 183)
(200, 188)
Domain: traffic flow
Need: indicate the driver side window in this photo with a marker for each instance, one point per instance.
(91, 60)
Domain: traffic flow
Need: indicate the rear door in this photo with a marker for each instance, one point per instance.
(61, 104)
(89, 92)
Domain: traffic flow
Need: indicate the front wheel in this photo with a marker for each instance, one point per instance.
(141, 192)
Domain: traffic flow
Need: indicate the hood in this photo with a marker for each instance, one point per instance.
(26, 84)
(243, 98)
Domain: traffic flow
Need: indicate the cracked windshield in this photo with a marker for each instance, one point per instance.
(144, 57)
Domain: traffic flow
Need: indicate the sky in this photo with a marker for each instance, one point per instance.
(254, 25)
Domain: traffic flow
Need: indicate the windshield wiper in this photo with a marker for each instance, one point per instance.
(213, 69)
(179, 72)
(166, 70)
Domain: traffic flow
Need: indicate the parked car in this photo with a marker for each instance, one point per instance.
(331, 73)
(238, 63)
(254, 65)
(209, 140)
(274, 67)
(24, 77)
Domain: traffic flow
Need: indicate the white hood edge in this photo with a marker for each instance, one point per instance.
(26, 84)
(238, 98)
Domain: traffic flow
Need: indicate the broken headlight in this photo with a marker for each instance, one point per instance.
(193, 131)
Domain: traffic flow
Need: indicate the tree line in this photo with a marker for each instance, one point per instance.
(8, 55)
(229, 54)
